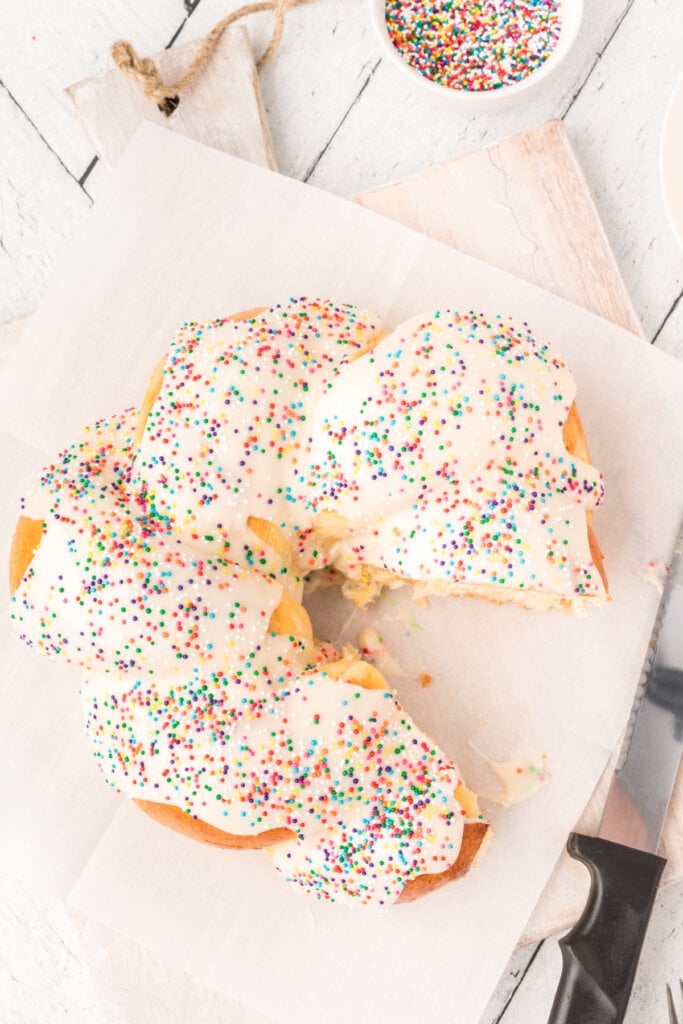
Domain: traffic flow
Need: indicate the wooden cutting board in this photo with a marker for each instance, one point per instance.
(522, 205)
(222, 108)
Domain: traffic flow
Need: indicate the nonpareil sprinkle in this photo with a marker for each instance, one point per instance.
(474, 45)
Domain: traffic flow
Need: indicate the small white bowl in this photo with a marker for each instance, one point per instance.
(491, 99)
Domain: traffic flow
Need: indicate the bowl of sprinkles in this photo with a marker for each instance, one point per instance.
(476, 54)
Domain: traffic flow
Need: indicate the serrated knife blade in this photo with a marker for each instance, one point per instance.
(641, 788)
(600, 954)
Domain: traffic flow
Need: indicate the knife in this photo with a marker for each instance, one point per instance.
(600, 954)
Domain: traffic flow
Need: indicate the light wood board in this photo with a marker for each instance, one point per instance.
(221, 108)
(524, 206)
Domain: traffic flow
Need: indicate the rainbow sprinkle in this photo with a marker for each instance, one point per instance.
(474, 46)
(438, 455)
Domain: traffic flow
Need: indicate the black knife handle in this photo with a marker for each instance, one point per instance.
(600, 953)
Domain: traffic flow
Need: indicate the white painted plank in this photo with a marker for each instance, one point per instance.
(42, 977)
(390, 133)
(41, 208)
(57, 964)
(671, 337)
(616, 125)
(326, 53)
(661, 960)
(534, 997)
(46, 46)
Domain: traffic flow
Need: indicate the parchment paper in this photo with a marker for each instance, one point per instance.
(188, 232)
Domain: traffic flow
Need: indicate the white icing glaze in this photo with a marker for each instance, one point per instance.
(440, 453)
(192, 700)
(522, 775)
(231, 433)
(438, 457)
(116, 590)
(369, 797)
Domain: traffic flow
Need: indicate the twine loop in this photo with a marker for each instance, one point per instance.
(145, 72)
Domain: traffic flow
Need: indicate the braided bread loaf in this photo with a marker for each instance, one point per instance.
(165, 553)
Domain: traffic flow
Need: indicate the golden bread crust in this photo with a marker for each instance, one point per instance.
(473, 838)
(28, 534)
(576, 444)
(358, 673)
(474, 835)
(291, 619)
(195, 828)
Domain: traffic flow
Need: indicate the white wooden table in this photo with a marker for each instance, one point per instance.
(341, 121)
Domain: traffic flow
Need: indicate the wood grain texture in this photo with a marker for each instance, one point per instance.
(323, 62)
(524, 206)
(42, 976)
(614, 113)
(222, 107)
(57, 964)
(45, 46)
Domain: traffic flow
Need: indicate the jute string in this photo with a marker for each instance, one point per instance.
(144, 71)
